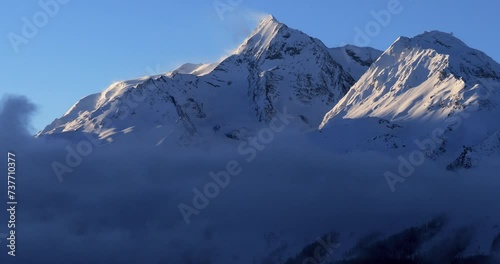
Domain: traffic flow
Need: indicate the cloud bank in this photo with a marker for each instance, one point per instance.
(121, 204)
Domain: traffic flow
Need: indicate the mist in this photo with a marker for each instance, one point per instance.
(121, 202)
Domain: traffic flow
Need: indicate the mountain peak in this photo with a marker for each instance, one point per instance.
(456, 56)
(442, 42)
(262, 36)
(442, 39)
(435, 34)
(435, 73)
(268, 19)
(273, 39)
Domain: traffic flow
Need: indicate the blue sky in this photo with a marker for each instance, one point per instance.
(81, 47)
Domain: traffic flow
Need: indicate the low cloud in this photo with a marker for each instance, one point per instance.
(120, 205)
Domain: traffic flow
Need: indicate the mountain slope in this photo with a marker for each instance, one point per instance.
(432, 86)
(276, 69)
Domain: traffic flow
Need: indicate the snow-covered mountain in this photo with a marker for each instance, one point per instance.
(276, 68)
(430, 95)
(431, 92)
(355, 60)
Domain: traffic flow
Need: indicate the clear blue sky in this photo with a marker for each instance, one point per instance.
(89, 44)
